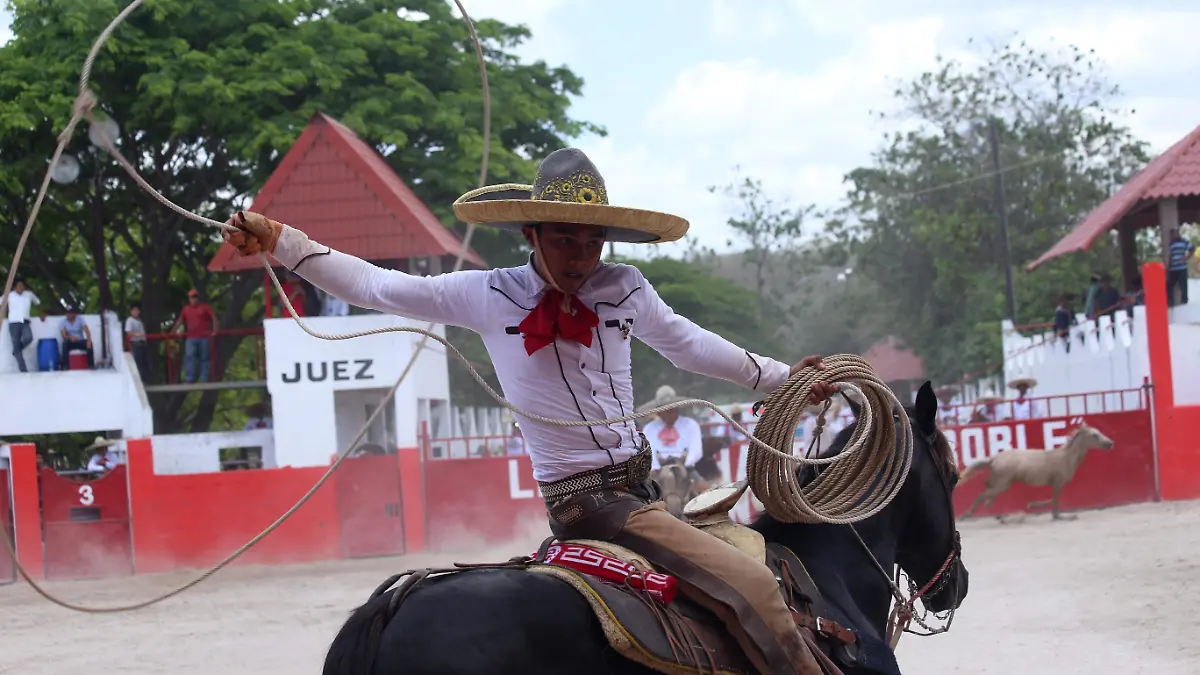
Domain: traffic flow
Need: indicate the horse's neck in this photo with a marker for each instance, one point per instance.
(1074, 450)
(849, 581)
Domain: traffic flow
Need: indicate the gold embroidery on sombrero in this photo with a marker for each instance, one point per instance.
(581, 186)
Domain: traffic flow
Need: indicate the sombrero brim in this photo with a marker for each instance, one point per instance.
(989, 399)
(510, 207)
(1027, 381)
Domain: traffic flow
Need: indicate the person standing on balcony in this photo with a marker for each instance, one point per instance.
(1178, 253)
(20, 304)
(200, 324)
(135, 331)
(1023, 407)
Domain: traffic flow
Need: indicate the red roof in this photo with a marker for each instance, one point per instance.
(1174, 173)
(893, 362)
(340, 192)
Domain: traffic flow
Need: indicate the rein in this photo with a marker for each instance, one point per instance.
(904, 611)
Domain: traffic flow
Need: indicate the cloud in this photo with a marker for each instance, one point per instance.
(547, 42)
(801, 126)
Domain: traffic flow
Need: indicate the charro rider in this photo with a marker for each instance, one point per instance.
(557, 330)
(673, 436)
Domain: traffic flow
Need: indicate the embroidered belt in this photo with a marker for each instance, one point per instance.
(632, 471)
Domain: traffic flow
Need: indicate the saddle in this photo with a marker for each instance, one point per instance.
(643, 620)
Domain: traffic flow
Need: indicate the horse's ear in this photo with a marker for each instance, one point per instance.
(854, 407)
(926, 408)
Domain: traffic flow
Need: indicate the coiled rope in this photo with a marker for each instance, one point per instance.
(783, 497)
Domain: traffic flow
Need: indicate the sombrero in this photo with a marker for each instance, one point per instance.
(1030, 382)
(946, 390)
(100, 442)
(989, 398)
(566, 189)
(665, 395)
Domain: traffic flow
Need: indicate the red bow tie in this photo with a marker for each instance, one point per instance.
(548, 321)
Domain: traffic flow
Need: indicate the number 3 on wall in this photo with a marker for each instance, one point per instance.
(85, 495)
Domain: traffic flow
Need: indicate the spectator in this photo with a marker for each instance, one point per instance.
(1108, 299)
(1064, 318)
(293, 288)
(515, 444)
(1179, 251)
(260, 416)
(200, 324)
(1089, 297)
(20, 304)
(986, 412)
(75, 335)
(102, 460)
(1135, 296)
(135, 331)
(1023, 407)
(331, 305)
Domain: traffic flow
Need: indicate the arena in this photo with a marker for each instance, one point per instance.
(1109, 590)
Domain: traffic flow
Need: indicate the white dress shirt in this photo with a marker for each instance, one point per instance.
(682, 439)
(20, 306)
(564, 380)
(1026, 409)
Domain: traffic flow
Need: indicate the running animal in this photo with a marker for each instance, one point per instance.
(1038, 468)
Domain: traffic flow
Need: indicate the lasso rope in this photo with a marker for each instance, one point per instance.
(783, 497)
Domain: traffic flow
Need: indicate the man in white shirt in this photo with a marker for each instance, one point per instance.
(1023, 407)
(557, 330)
(671, 435)
(20, 306)
(102, 459)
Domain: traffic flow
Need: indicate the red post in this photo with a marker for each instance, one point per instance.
(412, 498)
(1178, 464)
(26, 509)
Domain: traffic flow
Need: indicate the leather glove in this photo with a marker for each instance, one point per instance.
(255, 234)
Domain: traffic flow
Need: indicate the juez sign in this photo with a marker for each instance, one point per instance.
(338, 371)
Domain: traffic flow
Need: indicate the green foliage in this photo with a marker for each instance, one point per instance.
(712, 302)
(209, 95)
(922, 224)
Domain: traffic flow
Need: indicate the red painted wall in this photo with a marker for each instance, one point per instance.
(7, 571)
(76, 548)
(1123, 475)
(196, 520)
(369, 509)
(485, 500)
(27, 517)
(1181, 473)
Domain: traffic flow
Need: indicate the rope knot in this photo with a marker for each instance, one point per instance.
(85, 103)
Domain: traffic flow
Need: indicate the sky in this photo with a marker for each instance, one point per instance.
(784, 89)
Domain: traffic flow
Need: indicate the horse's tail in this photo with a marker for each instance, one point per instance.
(353, 650)
(975, 468)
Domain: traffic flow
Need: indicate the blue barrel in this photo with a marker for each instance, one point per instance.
(47, 354)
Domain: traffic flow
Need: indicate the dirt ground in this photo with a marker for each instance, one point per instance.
(1114, 591)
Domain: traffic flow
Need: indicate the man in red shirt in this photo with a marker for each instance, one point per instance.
(200, 323)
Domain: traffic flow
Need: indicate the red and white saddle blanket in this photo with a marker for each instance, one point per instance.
(587, 560)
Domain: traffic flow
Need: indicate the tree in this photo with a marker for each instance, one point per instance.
(209, 95)
(922, 219)
(770, 234)
(715, 303)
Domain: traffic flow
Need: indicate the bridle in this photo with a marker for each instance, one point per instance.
(904, 611)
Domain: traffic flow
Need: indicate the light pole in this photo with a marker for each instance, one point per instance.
(994, 137)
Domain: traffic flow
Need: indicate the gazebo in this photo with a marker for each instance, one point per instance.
(897, 365)
(342, 193)
(1163, 194)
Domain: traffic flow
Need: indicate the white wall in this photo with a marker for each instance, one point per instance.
(1105, 356)
(303, 372)
(201, 453)
(49, 328)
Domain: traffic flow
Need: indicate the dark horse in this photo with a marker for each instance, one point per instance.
(508, 621)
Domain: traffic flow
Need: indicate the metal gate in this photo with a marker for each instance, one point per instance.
(7, 572)
(85, 525)
(369, 509)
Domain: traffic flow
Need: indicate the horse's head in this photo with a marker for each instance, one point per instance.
(928, 549)
(1092, 437)
(675, 483)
